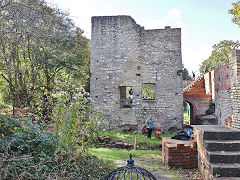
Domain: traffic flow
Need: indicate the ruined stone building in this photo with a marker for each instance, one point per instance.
(136, 72)
(214, 97)
(214, 100)
(219, 145)
(210, 97)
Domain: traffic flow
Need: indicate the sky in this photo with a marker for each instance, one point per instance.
(203, 22)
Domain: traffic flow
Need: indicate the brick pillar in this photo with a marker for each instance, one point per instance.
(235, 87)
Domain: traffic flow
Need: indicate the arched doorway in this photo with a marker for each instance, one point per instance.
(186, 113)
(189, 112)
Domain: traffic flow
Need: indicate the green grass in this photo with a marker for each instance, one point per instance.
(186, 118)
(115, 154)
(147, 159)
(142, 140)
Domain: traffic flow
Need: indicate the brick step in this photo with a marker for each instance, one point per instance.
(216, 132)
(221, 135)
(207, 120)
(225, 170)
(223, 145)
(223, 157)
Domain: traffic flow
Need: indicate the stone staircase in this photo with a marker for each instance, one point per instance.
(207, 120)
(219, 152)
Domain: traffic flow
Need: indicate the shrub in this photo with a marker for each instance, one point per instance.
(76, 124)
(25, 148)
(28, 151)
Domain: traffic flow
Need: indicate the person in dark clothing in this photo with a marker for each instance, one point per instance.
(149, 125)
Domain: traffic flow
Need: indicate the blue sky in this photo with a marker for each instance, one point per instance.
(203, 22)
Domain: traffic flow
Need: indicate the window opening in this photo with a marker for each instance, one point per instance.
(148, 91)
(126, 96)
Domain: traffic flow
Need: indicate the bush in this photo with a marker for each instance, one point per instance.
(76, 124)
(25, 148)
(28, 151)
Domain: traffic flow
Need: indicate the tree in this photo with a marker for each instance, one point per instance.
(185, 74)
(219, 55)
(39, 45)
(235, 11)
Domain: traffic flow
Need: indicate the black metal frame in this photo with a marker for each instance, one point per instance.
(130, 171)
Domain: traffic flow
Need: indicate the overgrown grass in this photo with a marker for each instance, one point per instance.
(115, 154)
(147, 159)
(142, 140)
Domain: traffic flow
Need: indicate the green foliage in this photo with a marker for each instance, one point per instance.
(28, 151)
(148, 91)
(76, 124)
(8, 126)
(23, 137)
(235, 11)
(24, 147)
(43, 104)
(220, 55)
(142, 140)
(185, 75)
(186, 118)
(44, 47)
(116, 154)
(4, 92)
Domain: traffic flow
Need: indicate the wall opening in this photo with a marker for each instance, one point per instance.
(186, 113)
(148, 91)
(126, 96)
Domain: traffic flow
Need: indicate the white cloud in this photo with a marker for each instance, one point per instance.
(173, 19)
(174, 14)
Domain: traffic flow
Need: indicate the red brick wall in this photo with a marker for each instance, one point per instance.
(177, 153)
(202, 156)
(222, 77)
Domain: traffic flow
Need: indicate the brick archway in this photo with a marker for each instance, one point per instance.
(193, 110)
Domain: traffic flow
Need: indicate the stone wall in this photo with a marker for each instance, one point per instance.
(223, 102)
(125, 54)
(223, 106)
(212, 88)
(202, 104)
(235, 90)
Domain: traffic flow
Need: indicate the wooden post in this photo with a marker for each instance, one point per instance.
(135, 143)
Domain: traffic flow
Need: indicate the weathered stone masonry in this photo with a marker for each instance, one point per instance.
(235, 90)
(222, 93)
(212, 88)
(125, 54)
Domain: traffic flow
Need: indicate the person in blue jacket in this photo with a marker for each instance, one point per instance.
(149, 125)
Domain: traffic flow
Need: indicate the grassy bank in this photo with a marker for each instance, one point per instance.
(141, 139)
(115, 154)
